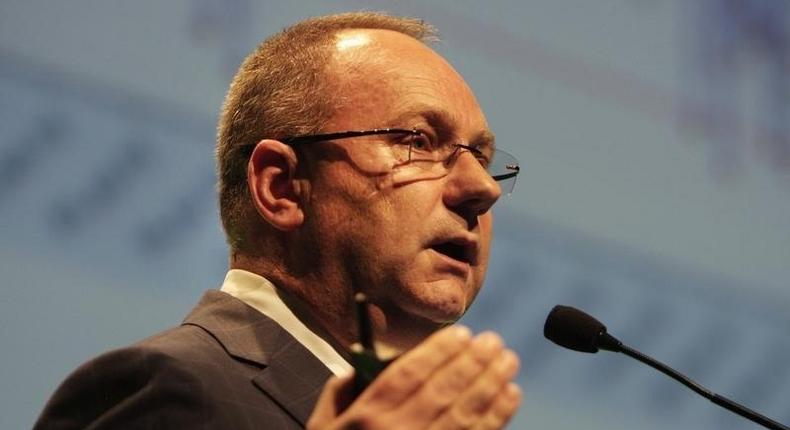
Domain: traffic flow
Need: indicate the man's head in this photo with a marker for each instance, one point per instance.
(362, 213)
(284, 88)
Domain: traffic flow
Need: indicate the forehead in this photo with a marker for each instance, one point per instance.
(384, 76)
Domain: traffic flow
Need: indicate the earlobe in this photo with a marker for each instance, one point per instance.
(270, 178)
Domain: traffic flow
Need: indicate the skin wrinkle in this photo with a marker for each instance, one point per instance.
(368, 232)
(354, 64)
(319, 222)
(418, 247)
(386, 209)
(443, 124)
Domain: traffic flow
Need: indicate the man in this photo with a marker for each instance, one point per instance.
(352, 158)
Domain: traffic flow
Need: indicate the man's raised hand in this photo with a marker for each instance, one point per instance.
(450, 381)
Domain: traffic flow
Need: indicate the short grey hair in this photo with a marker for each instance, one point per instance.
(282, 89)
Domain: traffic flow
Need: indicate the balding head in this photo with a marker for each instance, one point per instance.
(283, 88)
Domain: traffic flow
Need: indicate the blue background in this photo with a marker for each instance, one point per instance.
(655, 191)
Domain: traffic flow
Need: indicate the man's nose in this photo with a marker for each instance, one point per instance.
(470, 189)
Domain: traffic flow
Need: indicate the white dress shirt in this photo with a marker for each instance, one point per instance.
(257, 292)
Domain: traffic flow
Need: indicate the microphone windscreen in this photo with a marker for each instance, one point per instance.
(573, 329)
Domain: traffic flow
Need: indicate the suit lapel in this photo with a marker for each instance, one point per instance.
(291, 375)
(294, 379)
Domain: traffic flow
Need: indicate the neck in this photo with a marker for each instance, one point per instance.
(397, 331)
(328, 310)
(324, 310)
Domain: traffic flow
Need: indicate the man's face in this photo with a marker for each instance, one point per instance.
(417, 244)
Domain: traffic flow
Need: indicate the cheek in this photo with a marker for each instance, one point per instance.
(486, 232)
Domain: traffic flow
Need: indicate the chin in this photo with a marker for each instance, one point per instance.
(439, 302)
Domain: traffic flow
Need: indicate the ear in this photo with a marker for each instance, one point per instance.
(270, 178)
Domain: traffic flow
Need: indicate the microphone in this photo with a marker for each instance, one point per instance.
(576, 330)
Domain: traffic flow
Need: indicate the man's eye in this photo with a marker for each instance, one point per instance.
(420, 142)
(484, 159)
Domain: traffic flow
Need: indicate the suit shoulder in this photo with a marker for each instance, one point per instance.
(128, 385)
(185, 342)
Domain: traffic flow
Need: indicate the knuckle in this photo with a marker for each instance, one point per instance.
(455, 378)
(462, 372)
(462, 419)
(480, 400)
(468, 365)
(437, 395)
(490, 422)
(395, 382)
(406, 374)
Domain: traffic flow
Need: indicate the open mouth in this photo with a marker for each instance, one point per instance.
(457, 251)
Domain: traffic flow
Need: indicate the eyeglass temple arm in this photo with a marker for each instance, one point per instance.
(513, 174)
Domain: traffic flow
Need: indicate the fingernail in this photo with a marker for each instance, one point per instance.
(461, 332)
(513, 390)
(508, 360)
(488, 341)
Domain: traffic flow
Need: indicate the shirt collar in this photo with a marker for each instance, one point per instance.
(257, 292)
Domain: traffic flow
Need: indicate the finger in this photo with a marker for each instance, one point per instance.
(409, 372)
(454, 379)
(502, 409)
(327, 407)
(477, 398)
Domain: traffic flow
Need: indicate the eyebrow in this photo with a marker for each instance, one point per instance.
(441, 121)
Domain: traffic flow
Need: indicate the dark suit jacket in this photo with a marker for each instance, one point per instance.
(226, 367)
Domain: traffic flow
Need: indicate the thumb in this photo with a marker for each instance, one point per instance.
(336, 396)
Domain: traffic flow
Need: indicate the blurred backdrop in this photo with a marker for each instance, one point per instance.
(655, 191)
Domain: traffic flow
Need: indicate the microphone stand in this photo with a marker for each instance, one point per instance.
(702, 391)
(574, 329)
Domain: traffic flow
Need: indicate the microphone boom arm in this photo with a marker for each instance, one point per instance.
(702, 391)
(576, 330)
